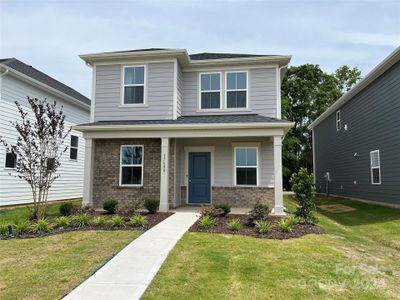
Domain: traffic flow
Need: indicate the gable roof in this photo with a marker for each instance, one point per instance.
(35, 74)
(211, 55)
(381, 68)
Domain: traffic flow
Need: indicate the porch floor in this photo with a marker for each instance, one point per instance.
(196, 209)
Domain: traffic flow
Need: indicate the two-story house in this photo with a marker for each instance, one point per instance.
(17, 81)
(189, 129)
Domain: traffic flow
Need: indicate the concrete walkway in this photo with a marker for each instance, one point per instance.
(128, 274)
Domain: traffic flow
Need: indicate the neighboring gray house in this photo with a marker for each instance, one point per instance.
(189, 129)
(17, 81)
(356, 141)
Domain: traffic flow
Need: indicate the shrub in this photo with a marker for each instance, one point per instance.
(138, 220)
(259, 212)
(152, 204)
(234, 225)
(4, 227)
(22, 227)
(292, 220)
(110, 206)
(304, 189)
(117, 221)
(285, 226)
(41, 226)
(207, 222)
(100, 221)
(81, 220)
(128, 209)
(211, 211)
(62, 221)
(263, 227)
(225, 207)
(66, 208)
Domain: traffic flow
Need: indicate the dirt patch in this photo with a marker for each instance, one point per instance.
(152, 220)
(336, 208)
(221, 227)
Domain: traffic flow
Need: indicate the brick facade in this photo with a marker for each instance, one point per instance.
(106, 171)
(238, 196)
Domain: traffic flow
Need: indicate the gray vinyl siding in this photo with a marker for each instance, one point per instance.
(373, 121)
(179, 91)
(261, 88)
(223, 160)
(159, 93)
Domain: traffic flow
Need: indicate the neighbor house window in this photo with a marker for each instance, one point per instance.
(246, 165)
(210, 91)
(236, 89)
(11, 160)
(338, 123)
(131, 170)
(73, 148)
(375, 167)
(134, 85)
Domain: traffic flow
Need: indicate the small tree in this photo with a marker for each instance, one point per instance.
(304, 189)
(39, 148)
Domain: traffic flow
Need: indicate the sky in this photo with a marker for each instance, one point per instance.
(50, 35)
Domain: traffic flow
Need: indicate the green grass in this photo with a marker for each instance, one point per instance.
(358, 258)
(50, 267)
(21, 213)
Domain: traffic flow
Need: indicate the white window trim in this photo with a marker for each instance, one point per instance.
(5, 161)
(130, 165)
(210, 91)
(237, 90)
(372, 168)
(123, 85)
(73, 147)
(338, 120)
(246, 146)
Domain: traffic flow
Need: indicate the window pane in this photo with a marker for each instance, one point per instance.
(215, 81)
(137, 155)
(240, 157)
(139, 75)
(11, 160)
(133, 94)
(205, 82)
(74, 141)
(129, 75)
(131, 175)
(127, 155)
(231, 81)
(241, 80)
(375, 159)
(251, 157)
(241, 99)
(73, 153)
(210, 100)
(231, 100)
(376, 175)
(215, 100)
(246, 176)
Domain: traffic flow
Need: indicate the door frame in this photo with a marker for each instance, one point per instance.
(187, 150)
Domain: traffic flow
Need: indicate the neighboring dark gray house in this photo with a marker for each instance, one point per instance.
(356, 141)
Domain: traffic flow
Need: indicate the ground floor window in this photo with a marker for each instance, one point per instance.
(11, 160)
(131, 165)
(246, 165)
(375, 167)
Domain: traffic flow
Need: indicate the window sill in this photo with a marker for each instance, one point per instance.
(74, 160)
(133, 105)
(224, 110)
(129, 186)
(10, 169)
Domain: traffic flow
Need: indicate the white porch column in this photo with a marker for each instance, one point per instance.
(164, 182)
(278, 209)
(88, 173)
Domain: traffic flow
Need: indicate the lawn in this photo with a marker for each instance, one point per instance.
(358, 258)
(49, 267)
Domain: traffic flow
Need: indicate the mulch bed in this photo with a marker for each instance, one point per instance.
(221, 227)
(152, 220)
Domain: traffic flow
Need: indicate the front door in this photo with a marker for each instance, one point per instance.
(199, 178)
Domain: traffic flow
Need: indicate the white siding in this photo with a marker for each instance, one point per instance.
(223, 160)
(70, 184)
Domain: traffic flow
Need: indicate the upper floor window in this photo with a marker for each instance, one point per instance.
(338, 122)
(134, 85)
(236, 89)
(11, 160)
(246, 165)
(73, 149)
(210, 90)
(375, 167)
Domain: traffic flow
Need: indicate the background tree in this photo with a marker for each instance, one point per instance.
(307, 92)
(39, 148)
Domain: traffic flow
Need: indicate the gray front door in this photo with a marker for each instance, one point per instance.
(199, 178)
